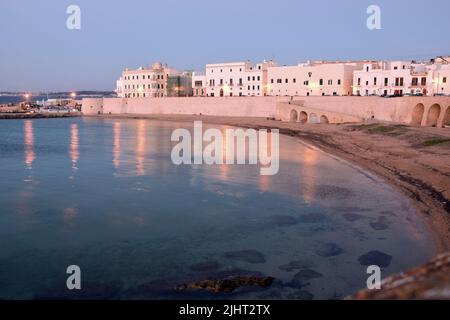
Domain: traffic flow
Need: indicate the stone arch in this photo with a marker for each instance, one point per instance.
(293, 116)
(417, 114)
(313, 118)
(324, 119)
(446, 121)
(303, 117)
(433, 115)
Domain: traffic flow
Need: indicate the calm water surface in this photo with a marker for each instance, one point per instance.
(103, 194)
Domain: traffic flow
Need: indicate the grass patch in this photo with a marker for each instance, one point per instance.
(434, 142)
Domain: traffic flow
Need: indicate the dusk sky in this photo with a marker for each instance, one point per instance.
(38, 52)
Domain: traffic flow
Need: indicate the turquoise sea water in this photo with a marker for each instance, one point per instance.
(103, 194)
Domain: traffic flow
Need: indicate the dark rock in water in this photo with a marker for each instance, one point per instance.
(375, 258)
(210, 265)
(305, 275)
(312, 218)
(250, 256)
(283, 221)
(379, 224)
(352, 209)
(352, 217)
(301, 295)
(388, 213)
(332, 192)
(294, 265)
(329, 250)
(226, 285)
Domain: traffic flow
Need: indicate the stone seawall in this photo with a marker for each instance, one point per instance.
(425, 111)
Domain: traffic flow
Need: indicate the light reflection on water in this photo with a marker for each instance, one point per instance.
(136, 224)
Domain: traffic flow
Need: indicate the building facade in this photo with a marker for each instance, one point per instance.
(317, 78)
(199, 84)
(237, 79)
(144, 82)
(398, 78)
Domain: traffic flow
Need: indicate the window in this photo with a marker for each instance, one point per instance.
(231, 70)
(258, 87)
(339, 82)
(254, 78)
(259, 67)
(240, 81)
(294, 80)
(221, 81)
(330, 82)
(253, 87)
(386, 81)
(367, 83)
(375, 81)
(367, 69)
(395, 68)
(444, 80)
(231, 82)
(423, 81)
(415, 81)
(306, 83)
(321, 82)
(271, 80)
(279, 80)
(259, 78)
(248, 87)
(248, 78)
(359, 81)
(286, 80)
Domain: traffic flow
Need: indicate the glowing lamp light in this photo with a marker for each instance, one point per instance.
(27, 96)
(73, 95)
(226, 88)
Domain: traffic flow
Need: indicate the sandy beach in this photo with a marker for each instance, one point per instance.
(414, 160)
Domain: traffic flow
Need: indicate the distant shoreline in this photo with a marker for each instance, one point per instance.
(46, 115)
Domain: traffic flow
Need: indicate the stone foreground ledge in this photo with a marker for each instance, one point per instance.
(428, 282)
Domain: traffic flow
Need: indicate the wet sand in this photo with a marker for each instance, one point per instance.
(414, 160)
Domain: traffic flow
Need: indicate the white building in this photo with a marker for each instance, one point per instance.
(237, 79)
(145, 82)
(397, 78)
(319, 78)
(199, 84)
